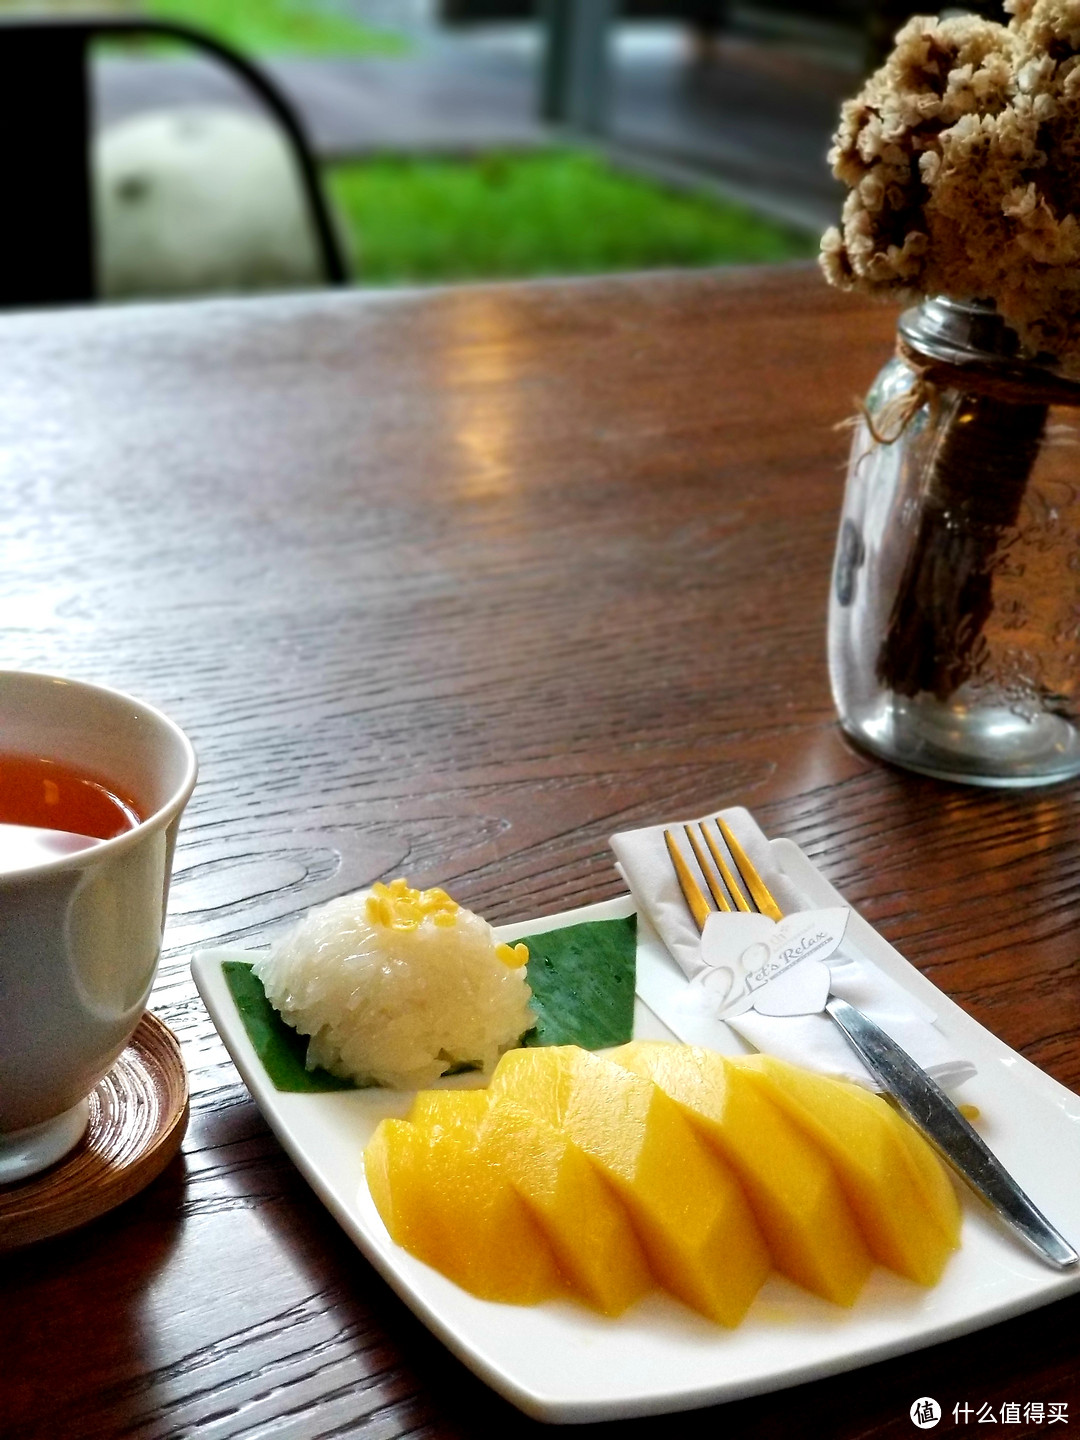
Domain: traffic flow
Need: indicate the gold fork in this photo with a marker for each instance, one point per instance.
(763, 901)
(923, 1102)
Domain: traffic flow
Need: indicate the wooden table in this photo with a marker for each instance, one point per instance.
(456, 583)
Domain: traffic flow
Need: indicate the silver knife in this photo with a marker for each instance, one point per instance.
(928, 1107)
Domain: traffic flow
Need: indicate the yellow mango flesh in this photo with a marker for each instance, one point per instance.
(901, 1196)
(578, 1172)
(442, 1202)
(583, 1220)
(695, 1225)
(793, 1190)
(433, 1108)
(585, 1225)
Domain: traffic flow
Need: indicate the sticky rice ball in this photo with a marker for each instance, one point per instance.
(397, 986)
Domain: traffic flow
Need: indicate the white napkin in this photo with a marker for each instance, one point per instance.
(813, 1041)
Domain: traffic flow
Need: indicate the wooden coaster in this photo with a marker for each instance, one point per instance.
(138, 1115)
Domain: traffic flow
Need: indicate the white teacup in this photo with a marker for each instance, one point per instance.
(80, 935)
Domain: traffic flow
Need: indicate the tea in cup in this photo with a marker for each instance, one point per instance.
(92, 785)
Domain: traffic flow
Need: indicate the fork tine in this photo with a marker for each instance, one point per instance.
(741, 902)
(754, 883)
(699, 907)
(715, 890)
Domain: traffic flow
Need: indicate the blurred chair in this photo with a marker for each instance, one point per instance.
(47, 240)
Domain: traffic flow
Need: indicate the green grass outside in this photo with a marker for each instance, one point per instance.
(553, 213)
(267, 27)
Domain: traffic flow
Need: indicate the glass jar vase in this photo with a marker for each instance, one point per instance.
(954, 619)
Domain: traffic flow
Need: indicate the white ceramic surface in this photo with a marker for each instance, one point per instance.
(560, 1362)
(36, 1147)
(80, 935)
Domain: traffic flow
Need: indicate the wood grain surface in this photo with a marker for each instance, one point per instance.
(454, 584)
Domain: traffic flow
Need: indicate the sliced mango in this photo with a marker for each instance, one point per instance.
(434, 1108)
(793, 1190)
(904, 1203)
(702, 1242)
(574, 1172)
(442, 1202)
(586, 1225)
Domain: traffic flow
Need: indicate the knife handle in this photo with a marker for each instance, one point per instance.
(928, 1107)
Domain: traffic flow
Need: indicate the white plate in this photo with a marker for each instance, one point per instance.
(560, 1362)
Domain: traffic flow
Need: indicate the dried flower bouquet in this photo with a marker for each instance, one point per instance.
(962, 154)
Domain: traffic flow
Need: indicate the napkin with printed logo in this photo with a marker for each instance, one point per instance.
(765, 981)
